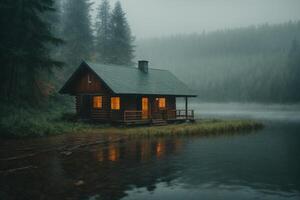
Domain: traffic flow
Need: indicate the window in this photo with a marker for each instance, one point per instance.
(97, 102)
(162, 103)
(115, 103)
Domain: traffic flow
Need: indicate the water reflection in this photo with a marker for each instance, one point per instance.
(113, 152)
(142, 150)
(145, 150)
(235, 167)
(104, 171)
(160, 148)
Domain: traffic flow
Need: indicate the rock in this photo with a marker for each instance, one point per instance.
(66, 153)
(79, 183)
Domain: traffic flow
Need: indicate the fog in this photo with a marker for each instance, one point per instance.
(154, 18)
(226, 51)
(265, 112)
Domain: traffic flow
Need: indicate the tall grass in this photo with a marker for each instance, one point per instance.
(206, 127)
(22, 122)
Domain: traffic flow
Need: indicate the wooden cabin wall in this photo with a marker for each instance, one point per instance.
(102, 114)
(153, 105)
(171, 105)
(77, 104)
(128, 102)
(94, 86)
(83, 106)
(89, 85)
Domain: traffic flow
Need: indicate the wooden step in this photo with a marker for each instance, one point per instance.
(159, 122)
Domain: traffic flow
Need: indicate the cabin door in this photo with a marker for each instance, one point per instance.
(145, 108)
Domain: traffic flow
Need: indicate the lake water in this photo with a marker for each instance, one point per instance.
(260, 165)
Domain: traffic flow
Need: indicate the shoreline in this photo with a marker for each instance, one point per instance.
(205, 128)
(199, 127)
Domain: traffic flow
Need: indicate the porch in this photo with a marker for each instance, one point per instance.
(162, 117)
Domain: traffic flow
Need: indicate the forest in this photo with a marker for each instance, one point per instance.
(252, 64)
(41, 43)
(44, 41)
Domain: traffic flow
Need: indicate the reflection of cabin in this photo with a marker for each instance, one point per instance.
(110, 93)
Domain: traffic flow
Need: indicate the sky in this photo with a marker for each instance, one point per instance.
(156, 18)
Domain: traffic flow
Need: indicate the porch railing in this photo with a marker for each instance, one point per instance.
(133, 115)
(182, 114)
(136, 115)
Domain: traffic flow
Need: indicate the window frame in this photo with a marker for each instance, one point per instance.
(119, 103)
(101, 102)
(165, 103)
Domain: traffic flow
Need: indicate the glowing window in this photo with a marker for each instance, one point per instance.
(162, 103)
(97, 102)
(115, 103)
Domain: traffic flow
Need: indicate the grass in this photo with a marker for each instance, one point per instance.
(201, 127)
(28, 122)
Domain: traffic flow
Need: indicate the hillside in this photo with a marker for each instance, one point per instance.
(252, 60)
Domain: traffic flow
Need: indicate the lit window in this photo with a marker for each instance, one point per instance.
(97, 102)
(162, 103)
(115, 103)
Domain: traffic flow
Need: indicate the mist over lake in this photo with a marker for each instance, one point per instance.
(266, 112)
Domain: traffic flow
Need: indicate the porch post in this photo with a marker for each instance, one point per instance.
(186, 108)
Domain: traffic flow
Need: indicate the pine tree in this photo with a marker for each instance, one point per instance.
(103, 34)
(294, 71)
(122, 48)
(24, 49)
(54, 20)
(77, 32)
(294, 58)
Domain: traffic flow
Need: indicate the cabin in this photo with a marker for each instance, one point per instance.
(127, 95)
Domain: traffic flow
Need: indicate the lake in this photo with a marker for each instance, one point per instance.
(257, 165)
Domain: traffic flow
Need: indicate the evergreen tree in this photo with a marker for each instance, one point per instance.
(294, 56)
(122, 48)
(77, 32)
(54, 20)
(103, 34)
(24, 49)
(294, 71)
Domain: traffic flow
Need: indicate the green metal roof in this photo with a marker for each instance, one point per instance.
(131, 80)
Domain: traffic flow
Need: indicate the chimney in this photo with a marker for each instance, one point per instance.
(143, 66)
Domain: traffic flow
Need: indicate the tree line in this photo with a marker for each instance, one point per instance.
(251, 64)
(43, 41)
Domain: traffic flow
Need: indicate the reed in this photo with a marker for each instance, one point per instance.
(205, 127)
